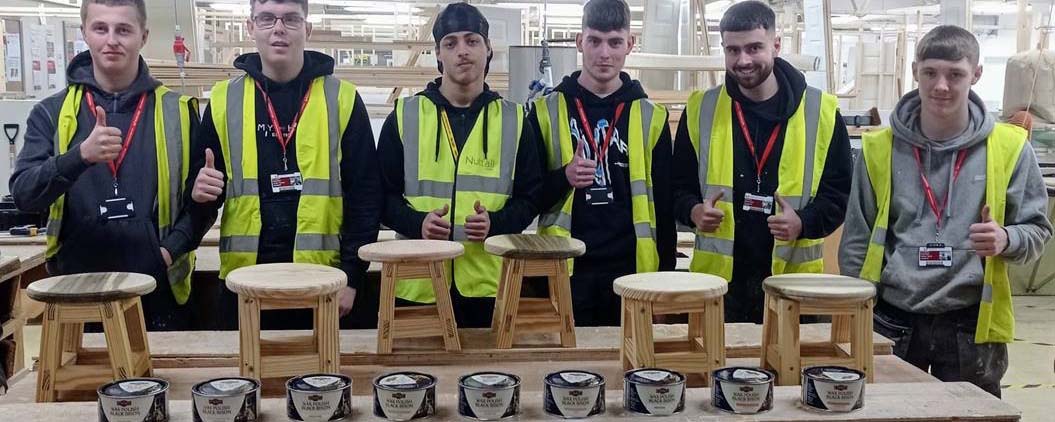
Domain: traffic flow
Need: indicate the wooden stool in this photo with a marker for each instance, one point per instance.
(287, 286)
(698, 295)
(530, 255)
(849, 302)
(72, 300)
(414, 259)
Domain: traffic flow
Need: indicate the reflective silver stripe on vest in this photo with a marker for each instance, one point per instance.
(711, 190)
(411, 181)
(640, 187)
(987, 293)
(710, 102)
(320, 187)
(553, 106)
(458, 233)
(813, 115)
(170, 108)
(879, 236)
(331, 86)
(318, 242)
(510, 141)
(714, 245)
(560, 219)
(246, 244)
(237, 184)
(795, 255)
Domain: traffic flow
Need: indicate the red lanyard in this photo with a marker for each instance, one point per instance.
(600, 150)
(283, 140)
(960, 156)
(129, 136)
(759, 163)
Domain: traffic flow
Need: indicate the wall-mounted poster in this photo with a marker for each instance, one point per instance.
(13, 57)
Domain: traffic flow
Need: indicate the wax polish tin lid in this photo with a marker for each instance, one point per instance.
(742, 390)
(489, 395)
(654, 391)
(833, 388)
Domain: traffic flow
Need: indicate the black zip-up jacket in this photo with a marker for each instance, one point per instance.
(519, 210)
(752, 251)
(89, 242)
(278, 211)
(608, 230)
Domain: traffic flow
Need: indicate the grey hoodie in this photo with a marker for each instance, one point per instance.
(912, 223)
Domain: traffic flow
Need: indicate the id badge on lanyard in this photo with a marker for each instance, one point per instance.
(287, 182)
(937, 253)
(119, 207)
(757, 202)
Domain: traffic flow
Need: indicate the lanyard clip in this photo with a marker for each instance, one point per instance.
(285, 163)
(115, 186)
(758, 184)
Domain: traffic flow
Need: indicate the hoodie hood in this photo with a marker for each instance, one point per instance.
(630, 91)
(792, 85)
(432, 92)
(906, 118)
(316, 64)
(81, 72)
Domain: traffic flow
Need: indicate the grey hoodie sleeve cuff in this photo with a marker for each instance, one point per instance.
(70, 164)
(1014, 249)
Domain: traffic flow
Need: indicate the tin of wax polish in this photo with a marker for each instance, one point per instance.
(833, 388)
(489, 396)
(573, 394)
(742, 390)
(403, 396)
(654, 391)
(134, 400)
(319, 397)
(231, 399)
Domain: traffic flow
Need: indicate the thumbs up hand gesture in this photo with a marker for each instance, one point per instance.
(987, 237)
(706, 215)
(580, 171)
(786, 226)
(103, 143)
(209, 184)
(478, 225)
(435, 226)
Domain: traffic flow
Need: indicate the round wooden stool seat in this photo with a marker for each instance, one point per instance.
(819, 288)
(670, 287)
(400, 251)
(286, 281)
(534, 246)
(91, 287)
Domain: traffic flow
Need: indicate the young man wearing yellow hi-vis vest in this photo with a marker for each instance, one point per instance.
(608, 152)
(761, 166)
(942, 202)
(287, 149)
(105, 157)
(460, 163)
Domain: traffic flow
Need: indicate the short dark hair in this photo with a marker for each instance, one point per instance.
(948, 42)
(304, 3)
(606, 15)
(748, 16)
(141, 8)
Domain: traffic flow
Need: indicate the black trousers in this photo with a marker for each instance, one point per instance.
(594, 302)
(943, 344)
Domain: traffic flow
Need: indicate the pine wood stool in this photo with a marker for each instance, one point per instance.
(72, 300)
(698, 295)
(287, 286)
(414, 259)
(531, 255)
(848, 300)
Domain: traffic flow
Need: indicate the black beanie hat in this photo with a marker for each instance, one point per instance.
(458, 17)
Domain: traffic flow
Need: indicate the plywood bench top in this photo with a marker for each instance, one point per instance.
(91, 287)
(286, 281)
(534, 246)
(397, 251)
(819, 288)
(668, 287)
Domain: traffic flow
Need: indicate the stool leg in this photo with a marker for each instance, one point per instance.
(249, 336)
(788, 341)
(72, 337)
(507, 324)
(714, 332)
(115, 329)
(444, 306)
(137, 338)
(386, 310)
(50, 354)
(327, 331)
(861, 346)
(500, 299)
(769, 335)
(841, 329)
(626, 323)
(641, 321)
(564, 304)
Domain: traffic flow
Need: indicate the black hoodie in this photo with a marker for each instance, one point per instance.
(278, 211)
(519, 210)
(90, 243)
(608, 230)
(752, 252)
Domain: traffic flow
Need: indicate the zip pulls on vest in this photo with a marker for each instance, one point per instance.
(283, 139)
(961, 155)
(115, 165)
(760, 163)
(445, 125)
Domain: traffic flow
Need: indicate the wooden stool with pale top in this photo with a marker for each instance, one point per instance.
(848, 300)
(662, 293)
(287, 286)
(72, 300)
(532, 255)
(408, 260)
